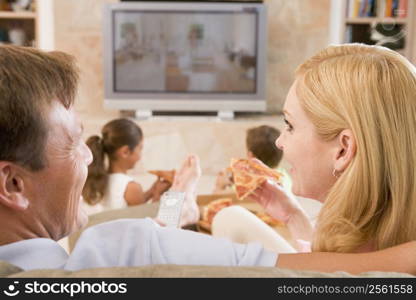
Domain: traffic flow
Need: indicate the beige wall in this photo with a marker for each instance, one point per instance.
(78, 31)
(297, 29)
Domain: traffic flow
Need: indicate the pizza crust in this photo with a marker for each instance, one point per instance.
(165, 175)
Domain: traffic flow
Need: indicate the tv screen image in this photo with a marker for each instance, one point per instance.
(185, 52)
(167, 56)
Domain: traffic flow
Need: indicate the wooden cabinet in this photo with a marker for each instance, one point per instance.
(19, 25)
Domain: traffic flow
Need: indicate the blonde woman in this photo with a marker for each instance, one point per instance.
(350, 137)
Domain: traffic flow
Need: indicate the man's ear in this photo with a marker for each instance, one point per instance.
(12, 187)
(346, 148)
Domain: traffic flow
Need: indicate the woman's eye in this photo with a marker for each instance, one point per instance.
(289, 127)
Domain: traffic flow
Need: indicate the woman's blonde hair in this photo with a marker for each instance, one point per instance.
(372, 91)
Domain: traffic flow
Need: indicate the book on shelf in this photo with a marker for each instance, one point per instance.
(395, 8)
(388, 10)
(381, 8)
(402, 11)
(353, 8)
(377, 8)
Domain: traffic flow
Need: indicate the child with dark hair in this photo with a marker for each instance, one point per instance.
(260, 144)
(108, 184)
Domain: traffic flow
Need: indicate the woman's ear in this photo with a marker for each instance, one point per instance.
(12, 187)
(346, 149)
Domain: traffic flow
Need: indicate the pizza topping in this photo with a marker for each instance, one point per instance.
(249, 174)
(211, 209)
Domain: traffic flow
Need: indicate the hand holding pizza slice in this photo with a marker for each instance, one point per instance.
(254, 180)
(249, 174)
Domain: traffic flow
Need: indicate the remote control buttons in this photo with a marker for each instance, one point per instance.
(171, 201)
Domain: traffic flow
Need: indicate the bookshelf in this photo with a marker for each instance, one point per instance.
(19, 25)
(390, 23)
(18, 15)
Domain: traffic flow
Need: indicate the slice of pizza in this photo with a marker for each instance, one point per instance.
(249, 174)
(212, 208)
(165, 175)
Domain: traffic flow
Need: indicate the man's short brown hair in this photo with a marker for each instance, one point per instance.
(260, 141)
(30, 80)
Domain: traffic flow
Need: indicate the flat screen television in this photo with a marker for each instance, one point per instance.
(185, 56)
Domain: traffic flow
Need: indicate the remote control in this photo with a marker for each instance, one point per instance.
(170, 208)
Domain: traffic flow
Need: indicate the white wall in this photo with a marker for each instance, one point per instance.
(46, 25)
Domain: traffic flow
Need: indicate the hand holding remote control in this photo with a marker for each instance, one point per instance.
(170, 208)
(184, 185)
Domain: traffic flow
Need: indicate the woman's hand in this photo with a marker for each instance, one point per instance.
(284, 207)
(276, 201)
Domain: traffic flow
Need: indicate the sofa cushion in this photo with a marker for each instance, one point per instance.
(177, 271)
(7, 269)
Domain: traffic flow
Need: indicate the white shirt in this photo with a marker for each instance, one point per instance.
(116, 188)
(135, 242)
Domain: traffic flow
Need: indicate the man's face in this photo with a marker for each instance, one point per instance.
(54, 193)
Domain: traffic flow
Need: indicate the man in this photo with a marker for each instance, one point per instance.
(43, 167)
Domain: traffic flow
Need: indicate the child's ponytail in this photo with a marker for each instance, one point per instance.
(97, 179)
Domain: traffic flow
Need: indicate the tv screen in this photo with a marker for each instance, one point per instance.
(189, 51)
(164, 52)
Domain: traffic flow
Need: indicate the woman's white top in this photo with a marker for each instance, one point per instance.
(116, 188)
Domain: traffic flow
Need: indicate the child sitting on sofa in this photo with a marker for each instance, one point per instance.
(111, 187)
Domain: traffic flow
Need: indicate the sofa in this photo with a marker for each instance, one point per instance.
(169, 271)
(176, 271)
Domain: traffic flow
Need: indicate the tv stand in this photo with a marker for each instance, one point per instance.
(223, 115)
(226, 115)
(143, 114)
